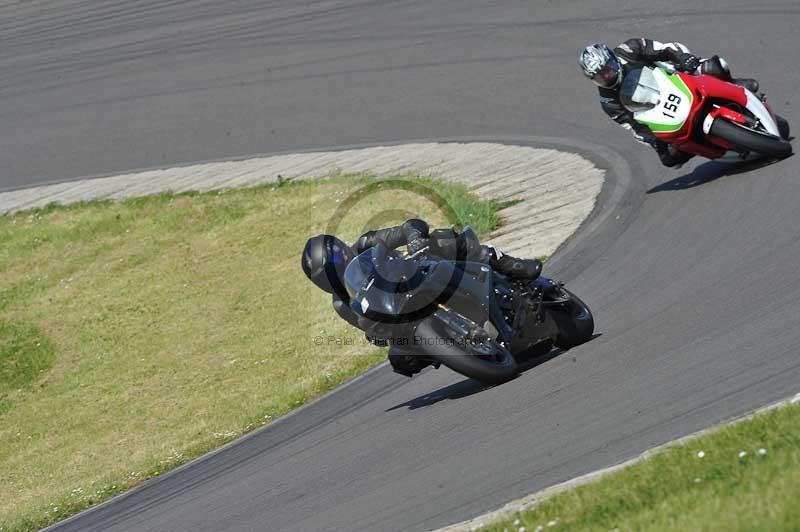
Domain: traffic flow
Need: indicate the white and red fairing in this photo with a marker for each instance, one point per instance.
(700, 89)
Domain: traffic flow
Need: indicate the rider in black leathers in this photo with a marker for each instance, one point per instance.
(325, 257)
(607, 68)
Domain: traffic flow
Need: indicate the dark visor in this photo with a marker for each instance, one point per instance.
(607, 76)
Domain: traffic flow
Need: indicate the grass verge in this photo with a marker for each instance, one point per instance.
(745, 476)
(137, 335)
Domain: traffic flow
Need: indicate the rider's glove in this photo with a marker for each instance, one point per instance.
(688, 62)
(417, 245)
(416, 233)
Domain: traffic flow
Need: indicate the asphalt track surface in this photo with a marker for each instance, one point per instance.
(693, 274)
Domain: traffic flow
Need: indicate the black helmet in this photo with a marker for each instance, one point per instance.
(601, 65)
(324, 260)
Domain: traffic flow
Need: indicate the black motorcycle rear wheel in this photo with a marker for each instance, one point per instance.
(750, 139)
(574, 320)
(488, 362)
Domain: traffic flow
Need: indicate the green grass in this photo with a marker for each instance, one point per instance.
(678, 490)
(137, 335)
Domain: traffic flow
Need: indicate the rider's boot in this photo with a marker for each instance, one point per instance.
(527, 269)
(670, 155)
(748, 83)
(718, 67)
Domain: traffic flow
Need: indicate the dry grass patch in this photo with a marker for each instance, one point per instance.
(137, 335)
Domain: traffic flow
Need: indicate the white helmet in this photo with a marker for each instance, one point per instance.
(601, 65)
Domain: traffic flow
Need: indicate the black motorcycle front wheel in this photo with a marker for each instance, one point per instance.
(574, 320)
(487, 362)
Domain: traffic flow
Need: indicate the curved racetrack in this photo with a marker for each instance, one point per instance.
(693, 274)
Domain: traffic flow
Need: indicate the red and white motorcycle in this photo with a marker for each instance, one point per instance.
(704, 115)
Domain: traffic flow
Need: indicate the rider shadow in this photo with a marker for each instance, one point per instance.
(708, 172)
(458, 390)
(469, 387)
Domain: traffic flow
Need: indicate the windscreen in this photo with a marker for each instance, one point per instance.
(640, 91)
(382, 270)
(359, 271)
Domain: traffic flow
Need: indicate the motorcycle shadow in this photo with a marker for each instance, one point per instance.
(469, 387)
(708, 172)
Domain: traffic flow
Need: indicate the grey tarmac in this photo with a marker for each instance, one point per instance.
(692, 273)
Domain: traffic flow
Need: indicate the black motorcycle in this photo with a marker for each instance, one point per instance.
(462, 314)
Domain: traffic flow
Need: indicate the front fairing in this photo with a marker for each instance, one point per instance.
(377, 281)
(387, 287)
(658, 99)
(469, 288)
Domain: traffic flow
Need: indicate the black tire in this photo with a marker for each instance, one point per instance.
(494, 366)
(783, 127)
(575, 322)
(750, 140)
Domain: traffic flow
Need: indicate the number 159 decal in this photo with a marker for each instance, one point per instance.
(671, 105)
